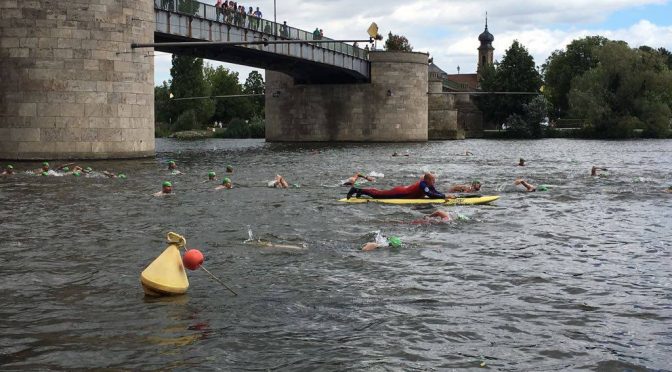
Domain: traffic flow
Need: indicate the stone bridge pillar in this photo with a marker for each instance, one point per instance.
(70, 85)
(392, 108)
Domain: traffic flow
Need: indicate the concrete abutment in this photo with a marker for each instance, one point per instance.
(391, 108)
(71, 86)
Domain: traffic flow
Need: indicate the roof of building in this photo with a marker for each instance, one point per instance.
(462, 82)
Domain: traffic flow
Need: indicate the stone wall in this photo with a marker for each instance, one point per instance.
(71, 87)
(454, 116)
(393, 107)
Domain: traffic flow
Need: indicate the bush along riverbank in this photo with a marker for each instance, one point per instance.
(237, 128)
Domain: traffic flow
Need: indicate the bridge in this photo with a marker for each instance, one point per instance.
(73, 86)
(323, 63)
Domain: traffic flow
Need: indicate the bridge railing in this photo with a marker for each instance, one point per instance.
(210, 12)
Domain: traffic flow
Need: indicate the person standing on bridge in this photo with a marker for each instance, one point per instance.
(258, 15)
(218, 9)
(284, 31)
(250, 19)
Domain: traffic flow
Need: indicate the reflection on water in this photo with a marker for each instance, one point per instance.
(574, 278)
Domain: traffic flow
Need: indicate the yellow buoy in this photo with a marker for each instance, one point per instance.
(166, 276)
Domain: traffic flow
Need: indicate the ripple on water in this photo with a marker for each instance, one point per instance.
(575, 278)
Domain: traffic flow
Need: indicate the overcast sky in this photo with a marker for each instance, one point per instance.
(449, 29)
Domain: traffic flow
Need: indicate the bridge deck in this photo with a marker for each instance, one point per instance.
(326, 63)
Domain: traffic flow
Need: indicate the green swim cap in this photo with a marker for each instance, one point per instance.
(226, 180)
(394, 242)
(45, 173)
(11, 167)
(45, 164)
(211, 174)
(167, 184)
(474, 182)
(66, 169)
(229, 168)
(121, 175)
(171, 162)
(542, 188)
(76, 174)
(88, 169)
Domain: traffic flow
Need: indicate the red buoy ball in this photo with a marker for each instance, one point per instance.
(193, 259)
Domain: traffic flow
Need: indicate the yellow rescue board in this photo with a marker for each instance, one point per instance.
(457, 201)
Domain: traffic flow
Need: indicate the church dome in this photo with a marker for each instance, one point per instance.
(486, 37)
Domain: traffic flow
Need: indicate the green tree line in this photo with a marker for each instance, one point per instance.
(616, 91)
(190, 77)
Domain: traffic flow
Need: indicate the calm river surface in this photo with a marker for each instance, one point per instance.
(577, 278)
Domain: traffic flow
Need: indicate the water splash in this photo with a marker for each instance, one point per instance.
(250, 235)
(379, 238)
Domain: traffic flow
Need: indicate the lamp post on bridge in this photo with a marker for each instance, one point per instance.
(275, 20)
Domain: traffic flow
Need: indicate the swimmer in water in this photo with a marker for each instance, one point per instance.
(226, 184)
(392, 241)
(475, 186)
(521, 162)
(166, 188)
(529, 187)
(9, 170)
(436, 217)
(279, 182)
(212, 176)
(419, 190)
(229, 169)
(172, 167)
(353, 180)
(593, 171)
(468, 153)
(669, 189)
(112, 175)
(44, 169)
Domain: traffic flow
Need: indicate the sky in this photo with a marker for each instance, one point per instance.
(448, 29)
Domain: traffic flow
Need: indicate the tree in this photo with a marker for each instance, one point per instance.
(516, 73)
(397, 43)
(668, 56)
(188, 82)
(562, 66)
(223, 82)
(629, 89)
(254, 84)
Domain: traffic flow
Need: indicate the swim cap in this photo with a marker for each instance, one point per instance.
(211, 174)
(226, 180)
(542, 188)
(167, 184)
(66, 169)
(229, 168)
(45, 173)
(394, 242)
(11, 167)
(76, 174)
(45, 164)
(474, 182)
(88, 169)
(121, 175)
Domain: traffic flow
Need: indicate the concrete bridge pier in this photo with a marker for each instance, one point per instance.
(70, 85)
(392, 108)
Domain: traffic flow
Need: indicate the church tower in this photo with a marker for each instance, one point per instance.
(485, 51)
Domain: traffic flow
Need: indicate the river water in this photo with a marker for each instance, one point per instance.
(575, 278)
